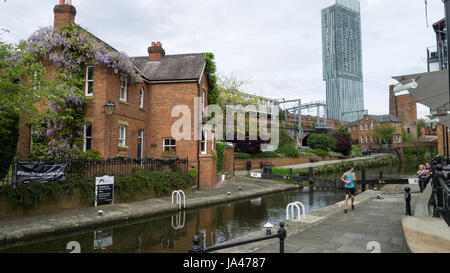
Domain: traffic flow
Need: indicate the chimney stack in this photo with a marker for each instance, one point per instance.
(156, 52)
(64, 14)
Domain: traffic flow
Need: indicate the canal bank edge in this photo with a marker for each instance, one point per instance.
(238, 188)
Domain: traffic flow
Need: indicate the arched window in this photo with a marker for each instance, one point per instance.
(141, 98)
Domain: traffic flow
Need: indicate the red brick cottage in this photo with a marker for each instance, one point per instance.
(142, 119)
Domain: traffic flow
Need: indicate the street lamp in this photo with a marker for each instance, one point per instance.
(109, 108)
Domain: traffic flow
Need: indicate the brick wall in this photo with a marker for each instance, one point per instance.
(404, 107)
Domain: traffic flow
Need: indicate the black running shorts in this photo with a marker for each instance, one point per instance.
(349, 191)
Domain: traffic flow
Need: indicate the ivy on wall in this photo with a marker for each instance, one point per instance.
(210, 71)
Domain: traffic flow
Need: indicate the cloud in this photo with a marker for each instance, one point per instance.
(276, 44)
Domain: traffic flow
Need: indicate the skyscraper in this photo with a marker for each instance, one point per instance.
(342, 60)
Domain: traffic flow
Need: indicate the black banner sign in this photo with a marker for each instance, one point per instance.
(28, 172)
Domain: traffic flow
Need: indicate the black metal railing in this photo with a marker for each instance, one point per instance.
(90, 169)
(318, 182)
(440, 199)
(113, 167)
(281, 234)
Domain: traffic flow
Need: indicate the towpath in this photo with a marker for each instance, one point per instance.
(375, 222)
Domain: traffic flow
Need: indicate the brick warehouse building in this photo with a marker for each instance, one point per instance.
(362, 131)
(142, 119)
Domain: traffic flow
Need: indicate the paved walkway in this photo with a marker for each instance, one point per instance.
(70, 221)
(329, 230)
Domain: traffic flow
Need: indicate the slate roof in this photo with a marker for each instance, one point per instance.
(180, 67)
(377, 118)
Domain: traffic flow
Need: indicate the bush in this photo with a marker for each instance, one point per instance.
(9, 136)
(320, 152)
(126, 186)
(334, 154)
(356, 151)
(321, 142)
(220, 151)
(343, 143)
(288, 151)
(91, 155)
(242, 156)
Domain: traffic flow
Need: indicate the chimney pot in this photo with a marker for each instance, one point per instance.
(64, 13)
(156, 52)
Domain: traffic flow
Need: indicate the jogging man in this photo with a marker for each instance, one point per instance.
(349, 178)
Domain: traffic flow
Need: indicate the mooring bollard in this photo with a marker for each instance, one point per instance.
(311, 178)
(196, 247)
(363, 180)
(282, 235)
(408, 201)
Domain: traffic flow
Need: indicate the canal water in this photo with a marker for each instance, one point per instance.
(215, 224)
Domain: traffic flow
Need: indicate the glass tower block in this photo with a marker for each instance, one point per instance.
(342, 60)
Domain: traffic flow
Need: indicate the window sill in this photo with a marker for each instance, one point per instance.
(124, 102)
(142, 109)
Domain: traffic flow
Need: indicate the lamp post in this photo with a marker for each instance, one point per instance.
(109, 110)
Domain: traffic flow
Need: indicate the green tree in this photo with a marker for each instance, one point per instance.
(210, 71)
(385, 132)
(319, 141)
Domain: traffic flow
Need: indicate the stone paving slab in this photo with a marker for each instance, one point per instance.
(336, 232)
(76, 220)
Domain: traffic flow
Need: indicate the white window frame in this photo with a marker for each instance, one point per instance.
(362, 127)
(85, 137)
(371, 126)
(169, 145)
(367, 140)
(123, 88)
(362, 140)
(367, 127)
(204, 142)
(89, 82)
(141, 97)
(122, 136)
(212, 141)
(203, 100)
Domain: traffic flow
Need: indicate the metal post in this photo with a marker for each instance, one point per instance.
(408, 201)
(196, 248)
(311, 177)
(363, 180)
(282, 236)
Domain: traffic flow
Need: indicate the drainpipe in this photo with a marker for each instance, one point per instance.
(198, 142)
(447, 23)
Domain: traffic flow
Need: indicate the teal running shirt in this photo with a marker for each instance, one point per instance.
(350, 177)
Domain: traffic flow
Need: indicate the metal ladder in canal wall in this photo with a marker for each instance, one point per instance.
(291, 208)
(180, 199)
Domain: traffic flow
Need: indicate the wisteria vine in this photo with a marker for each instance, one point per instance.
(58, 133)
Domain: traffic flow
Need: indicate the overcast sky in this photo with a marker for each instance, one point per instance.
(276, 44)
